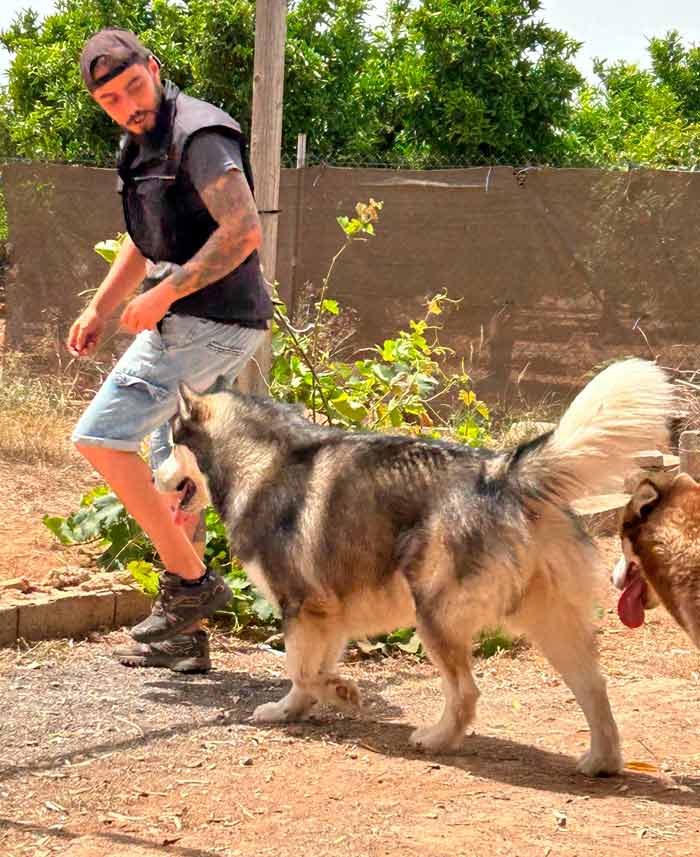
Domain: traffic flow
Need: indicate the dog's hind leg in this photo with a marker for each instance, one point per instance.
(565, 635)
(312, 648)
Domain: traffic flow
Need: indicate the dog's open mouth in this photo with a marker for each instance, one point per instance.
(632, 602)
(187, 490)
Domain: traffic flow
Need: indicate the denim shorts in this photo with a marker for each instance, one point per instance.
(139, 396)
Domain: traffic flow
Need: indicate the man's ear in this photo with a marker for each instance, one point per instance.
(154, 68)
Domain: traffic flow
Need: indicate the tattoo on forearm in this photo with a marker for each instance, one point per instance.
(231, 204)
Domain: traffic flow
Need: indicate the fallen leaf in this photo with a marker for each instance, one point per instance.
(643, 767)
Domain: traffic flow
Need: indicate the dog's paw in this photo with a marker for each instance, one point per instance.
(599, 765)
(276, 712)
(342, 693)
(436, 739)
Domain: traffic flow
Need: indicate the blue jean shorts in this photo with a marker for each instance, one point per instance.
(139, 396)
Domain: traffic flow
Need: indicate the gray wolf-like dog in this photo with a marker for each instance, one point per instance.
(356, 534)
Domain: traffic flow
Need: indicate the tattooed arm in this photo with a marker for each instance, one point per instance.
(231, 204)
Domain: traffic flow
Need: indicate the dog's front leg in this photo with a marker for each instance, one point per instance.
(312, 650)
(450, 650)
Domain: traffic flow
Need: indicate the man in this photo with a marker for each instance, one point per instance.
(186, 188)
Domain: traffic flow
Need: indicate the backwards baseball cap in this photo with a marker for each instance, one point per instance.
(117, 49)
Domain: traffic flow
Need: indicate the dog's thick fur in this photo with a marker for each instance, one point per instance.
(660, 534)
(355, 534)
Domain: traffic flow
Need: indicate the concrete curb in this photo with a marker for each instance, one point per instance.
(71, 614)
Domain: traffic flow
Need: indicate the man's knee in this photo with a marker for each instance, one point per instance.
(92, 452)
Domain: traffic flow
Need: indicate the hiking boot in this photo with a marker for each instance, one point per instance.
(183, 653)
(178, 606)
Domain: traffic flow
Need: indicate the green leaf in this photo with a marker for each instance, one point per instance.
(396, 417)
(263, 610)
(426, 383)
(89, 498)
(401, 635)
(109, 249)
(413, 646)
(368, 648)
(385, 373)
(350, 408)
(388, 350)
(145, 575)
(330, 306)
(59, 527)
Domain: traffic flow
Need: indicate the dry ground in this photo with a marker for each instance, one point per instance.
(100, 759)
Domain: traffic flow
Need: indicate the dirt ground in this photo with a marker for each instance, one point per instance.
(100, 759)
(27, 548)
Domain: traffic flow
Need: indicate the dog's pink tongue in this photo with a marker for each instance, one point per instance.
(630, 607)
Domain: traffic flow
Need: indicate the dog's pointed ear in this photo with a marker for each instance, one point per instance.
(646, 496)
(186, 402)
(221, 385)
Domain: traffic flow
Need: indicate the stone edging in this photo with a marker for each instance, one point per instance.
(71, 614)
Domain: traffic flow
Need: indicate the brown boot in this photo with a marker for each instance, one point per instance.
(184, 653)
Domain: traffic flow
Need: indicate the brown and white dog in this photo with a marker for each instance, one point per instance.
(660, 533)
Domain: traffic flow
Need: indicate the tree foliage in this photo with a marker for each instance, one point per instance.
(439, 82)
(631, 118)
(640, 117)
(444, 80)
(478, 80)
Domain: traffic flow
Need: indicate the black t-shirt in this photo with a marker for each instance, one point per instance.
(209, 156)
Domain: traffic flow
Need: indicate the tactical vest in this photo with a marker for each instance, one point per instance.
(168, 221)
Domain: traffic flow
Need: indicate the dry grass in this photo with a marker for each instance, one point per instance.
(37, 410)
(522, 421)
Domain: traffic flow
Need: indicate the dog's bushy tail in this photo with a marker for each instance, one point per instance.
(620, 413)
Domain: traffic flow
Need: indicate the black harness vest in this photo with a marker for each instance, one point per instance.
(168, 221)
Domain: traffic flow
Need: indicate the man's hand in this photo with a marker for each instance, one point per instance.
(85, 333)
(146, 310)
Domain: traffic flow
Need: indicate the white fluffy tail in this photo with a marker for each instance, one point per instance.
(620, 413)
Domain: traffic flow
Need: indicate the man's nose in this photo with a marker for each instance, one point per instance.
(130, 106)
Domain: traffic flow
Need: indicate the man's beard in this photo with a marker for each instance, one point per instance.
(154, 135)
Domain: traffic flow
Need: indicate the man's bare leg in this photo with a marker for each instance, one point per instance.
(198, 594)
(130, 479)
(195, 528)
